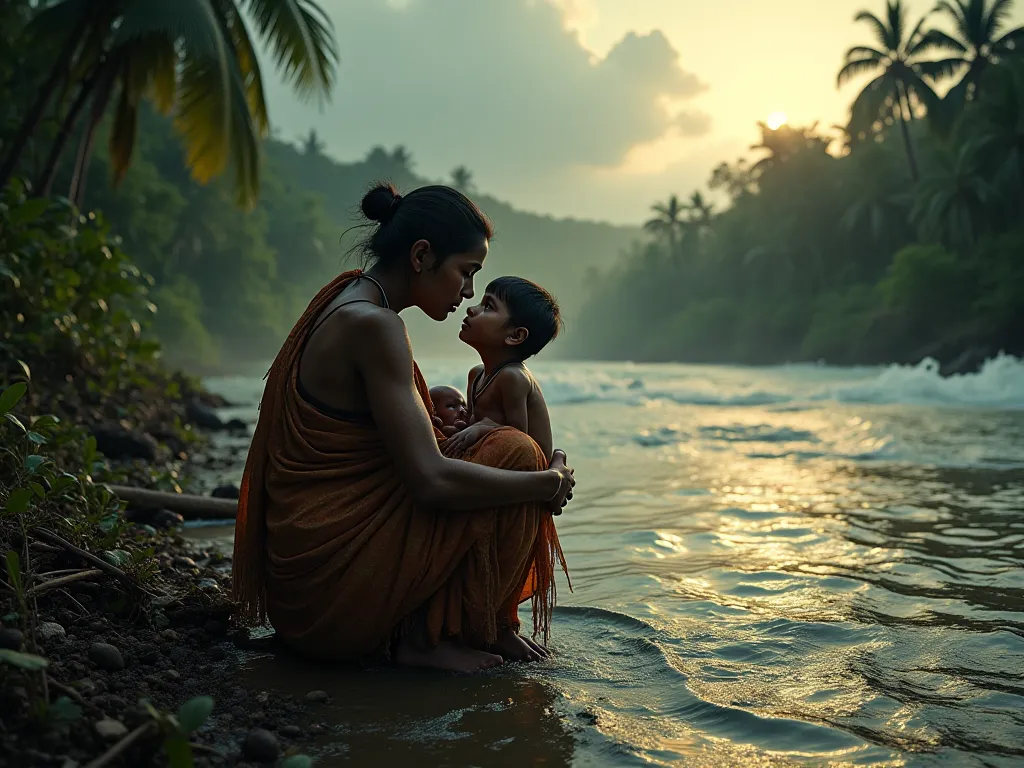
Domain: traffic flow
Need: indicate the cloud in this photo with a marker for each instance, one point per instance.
(499, 85)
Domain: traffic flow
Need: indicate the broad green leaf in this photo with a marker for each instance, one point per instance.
(37, 489)
(45, 421)
(13, 569)
(34, 462)
(89, 451)
(18, 501)
(193, 713)
(117, 557)
(27, 661)
(65, 710)
(36, 438)
(10, 396)
(15, 421)
(28, 211)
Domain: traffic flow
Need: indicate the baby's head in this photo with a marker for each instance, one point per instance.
(449, 405)
(514, 313)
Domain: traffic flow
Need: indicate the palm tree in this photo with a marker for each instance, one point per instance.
(955, 198)
(194, 58)
(784, 143)
(312, 144)
(462, 179)
(978, 41)
(667, 222)
(901, 80)
(995, 125)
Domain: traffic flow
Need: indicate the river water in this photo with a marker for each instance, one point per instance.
(795, 565)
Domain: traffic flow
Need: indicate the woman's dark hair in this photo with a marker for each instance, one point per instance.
(442, 216)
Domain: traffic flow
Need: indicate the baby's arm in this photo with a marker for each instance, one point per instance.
(515, 395)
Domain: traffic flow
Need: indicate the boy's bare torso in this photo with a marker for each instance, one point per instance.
(512, 398)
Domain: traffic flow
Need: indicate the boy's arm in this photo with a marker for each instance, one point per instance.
(515, 396)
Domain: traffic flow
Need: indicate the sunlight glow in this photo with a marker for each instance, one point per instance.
(776, 120)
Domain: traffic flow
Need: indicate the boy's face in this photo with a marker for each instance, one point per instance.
(487, 325)
(449, 405)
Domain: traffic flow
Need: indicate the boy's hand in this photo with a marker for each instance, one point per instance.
(463, 440)
(458, 426)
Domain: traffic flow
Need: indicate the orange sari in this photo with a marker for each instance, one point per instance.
(330, 546)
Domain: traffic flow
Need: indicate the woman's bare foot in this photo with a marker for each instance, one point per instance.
(447, 656)
(518, 648)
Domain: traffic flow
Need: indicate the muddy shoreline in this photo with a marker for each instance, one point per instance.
(113, 646)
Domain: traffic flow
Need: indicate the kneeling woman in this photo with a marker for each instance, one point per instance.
(355, 536)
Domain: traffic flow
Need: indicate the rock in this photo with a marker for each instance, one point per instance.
(227, 491)
(215, 628)
(261, 746)
(181, 561)
(85, 686)
(11, 639)
(111, 730)
(106, 656)
(202, 415)
(116, 442)
(149, 655)
(291, 731)
(98, 625)
(263, 697)
(178, 655)
(317, 697)
(164, 518)
(170, 636)
(208, 585)
(51, 630)
(236, 425)
(217, 653)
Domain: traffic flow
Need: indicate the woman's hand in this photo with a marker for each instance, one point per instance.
(568, 482)
(462, 441)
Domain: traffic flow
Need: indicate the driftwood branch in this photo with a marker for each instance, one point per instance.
(92, 573)
(187, 505)
(115, 751)
(89, 557)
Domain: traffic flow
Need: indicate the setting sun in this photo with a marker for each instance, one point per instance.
(776, 120)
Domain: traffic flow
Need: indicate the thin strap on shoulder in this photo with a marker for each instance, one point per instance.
(383, 297)
(476, 391)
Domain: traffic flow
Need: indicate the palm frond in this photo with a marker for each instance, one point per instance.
(870, 103)
(300, 34)
(192, 22)
(915, 36)
(248, 66)
(998, 15)
(864, 51)
(855, 68)
(204, 116)
(880, 30)
(896, 16)
(957, 13)
(125, 125)
(152, 70)
(938, 70)
(1011, 42)
(936, 39)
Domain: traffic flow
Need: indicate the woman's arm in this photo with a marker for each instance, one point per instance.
(382, 353)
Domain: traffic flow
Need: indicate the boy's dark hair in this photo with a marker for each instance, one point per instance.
(530, 307)
(446, 218)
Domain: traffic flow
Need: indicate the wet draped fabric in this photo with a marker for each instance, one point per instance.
(330, 546)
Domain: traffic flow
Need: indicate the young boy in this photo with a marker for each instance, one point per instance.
(514, 320)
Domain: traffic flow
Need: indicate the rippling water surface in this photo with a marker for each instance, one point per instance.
(797, 565)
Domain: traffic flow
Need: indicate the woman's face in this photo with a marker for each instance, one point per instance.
(439, 290)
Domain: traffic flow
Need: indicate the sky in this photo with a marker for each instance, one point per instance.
(587, 108)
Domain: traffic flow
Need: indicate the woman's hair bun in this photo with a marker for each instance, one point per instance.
(378, 203)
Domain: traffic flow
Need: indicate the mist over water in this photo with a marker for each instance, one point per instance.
(792, 565)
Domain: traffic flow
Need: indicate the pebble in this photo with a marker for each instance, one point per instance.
(106, 656)
(169, 635)
(111, 729)
(208, 585)
(317, 697)
(98, 625)
(263, 697)
(51, 630)
(178, 655)
(260, 745)
(10, 639)
(291, 731)
(184, 562)
(85, 686)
